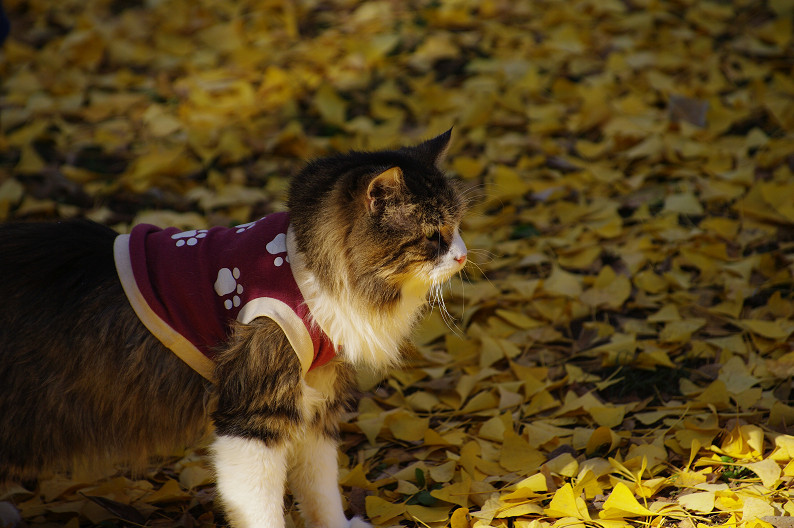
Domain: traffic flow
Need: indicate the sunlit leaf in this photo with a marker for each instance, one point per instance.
(565, 503)
(621, 503)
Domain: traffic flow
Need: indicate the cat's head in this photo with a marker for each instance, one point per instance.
(382, 224)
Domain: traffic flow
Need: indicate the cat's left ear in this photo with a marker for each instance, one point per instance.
(384, 186)
(434, 150)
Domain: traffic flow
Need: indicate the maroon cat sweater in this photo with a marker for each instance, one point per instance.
(187, 287)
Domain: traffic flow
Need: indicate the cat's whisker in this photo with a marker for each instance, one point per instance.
(470, 189)
(479, 268)
(462, 292)
(436, 294)
(487, 254)
(473, 194)
(482, 272)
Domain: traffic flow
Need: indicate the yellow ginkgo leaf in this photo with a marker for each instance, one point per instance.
(743, 442)
(757, 523)
(518, 319)
(381, 511)
(564, 464)
(769, 329)
(531, 486)
(456, 493)
(356, 477)
(426, 514)
(621, 503)
(603, 437)
(784, 448)
(518, 455)
(700, 502)
(755, 508)
(561, 282)
(407, 426)
(332, 108)
(565, 503)
(607, 415)
(196, 475)
(519, 510)
(767, 470)
(170, 491)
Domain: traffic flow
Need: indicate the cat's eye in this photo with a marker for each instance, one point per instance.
(432, 234)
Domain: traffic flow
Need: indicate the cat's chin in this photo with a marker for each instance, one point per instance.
(440, 275)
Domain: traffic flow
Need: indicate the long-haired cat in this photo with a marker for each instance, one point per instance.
(98, 362)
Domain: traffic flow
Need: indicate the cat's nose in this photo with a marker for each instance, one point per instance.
(458, 249)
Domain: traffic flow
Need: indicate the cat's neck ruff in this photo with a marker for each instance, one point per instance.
(367, 337)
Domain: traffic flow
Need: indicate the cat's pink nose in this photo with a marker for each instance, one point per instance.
(461, 259)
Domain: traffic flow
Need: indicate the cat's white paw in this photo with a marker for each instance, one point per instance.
(358, 522)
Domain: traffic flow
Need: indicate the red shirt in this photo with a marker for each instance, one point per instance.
(187, 287)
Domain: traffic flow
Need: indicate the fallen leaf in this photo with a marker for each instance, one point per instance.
(170, 491)
(621, 503)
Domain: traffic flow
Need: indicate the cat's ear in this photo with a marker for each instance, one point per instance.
(434, 151)
(386, 184)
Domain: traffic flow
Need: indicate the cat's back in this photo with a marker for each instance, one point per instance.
(56, 277)
(81, 379)
(40, 258)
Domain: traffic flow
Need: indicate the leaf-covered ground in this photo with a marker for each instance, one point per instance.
(621, 351)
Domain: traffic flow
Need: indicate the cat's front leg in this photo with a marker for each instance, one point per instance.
(250, 479)
(314, 482)
(256, 419)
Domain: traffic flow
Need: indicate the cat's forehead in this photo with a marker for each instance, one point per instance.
(441, 209)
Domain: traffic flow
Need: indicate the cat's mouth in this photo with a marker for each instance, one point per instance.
(443, 273)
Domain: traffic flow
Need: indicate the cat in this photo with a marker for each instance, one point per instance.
(86, 373)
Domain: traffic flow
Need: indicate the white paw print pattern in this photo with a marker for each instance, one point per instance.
(276, 246)
(226, 284)
(242, 228)
(189, 238)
